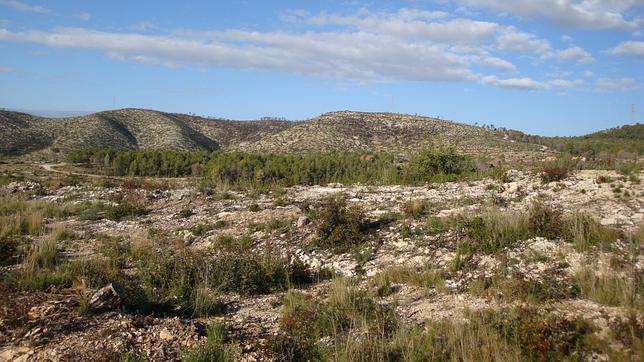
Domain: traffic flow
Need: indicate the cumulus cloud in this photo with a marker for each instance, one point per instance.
(20, 6)
(407, 44)
(577, 54)
(524, 43)
(585, 14)
(630, 48)
(342, 55)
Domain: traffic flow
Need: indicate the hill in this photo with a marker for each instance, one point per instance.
(22, 133)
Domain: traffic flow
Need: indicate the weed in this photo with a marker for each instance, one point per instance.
(215, 348)
(185, 213)
(414, 208)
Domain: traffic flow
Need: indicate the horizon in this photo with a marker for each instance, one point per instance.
(546, 67)
(71, 114)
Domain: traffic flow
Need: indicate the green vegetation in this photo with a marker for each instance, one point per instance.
(338, 226)
(248, 170)
(141, 163)
(610, 288)
(492, 230)
(215, 348)
(604, 147)
(359, 329)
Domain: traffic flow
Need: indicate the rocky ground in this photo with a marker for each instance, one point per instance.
(46, 325)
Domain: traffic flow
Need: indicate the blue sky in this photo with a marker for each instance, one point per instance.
(550, 67)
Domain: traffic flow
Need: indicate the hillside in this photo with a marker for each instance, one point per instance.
(337, 131)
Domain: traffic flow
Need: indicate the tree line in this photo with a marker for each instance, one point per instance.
(241, 169)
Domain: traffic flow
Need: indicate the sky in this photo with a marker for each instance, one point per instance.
(548, 67)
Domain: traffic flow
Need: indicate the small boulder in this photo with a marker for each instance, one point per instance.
(107, 297)
(302, 221)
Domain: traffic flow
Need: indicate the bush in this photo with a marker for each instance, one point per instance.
(492, 231)
(609, 289)
(338, 227)
(8, 251)
(185, 213)
(585, 232)
(215, 348)
(414, 208)
(544, 221)
(436, 165)
(553, 173)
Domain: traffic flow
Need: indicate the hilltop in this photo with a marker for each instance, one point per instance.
(133, 129)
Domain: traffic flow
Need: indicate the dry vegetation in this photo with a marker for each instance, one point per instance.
(540, 264)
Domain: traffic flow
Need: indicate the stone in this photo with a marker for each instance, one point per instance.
(107, 297)
(302, 221)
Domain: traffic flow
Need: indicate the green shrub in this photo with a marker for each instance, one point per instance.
(215, 348)
(338, 227)
(609, 288)
(436, 165)
(185, 213)
(493, 231)
(585, 232)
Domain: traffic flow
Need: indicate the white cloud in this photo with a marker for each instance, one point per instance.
(523, 43)
(585, 14)
(518, 83)
(566, 38)
(632, 48)
(407, 44)
(609, 84)
(577, 54)
(360, 56)
(84, 16)
(494, 63)
(588, 74)
(20, 6)
(531, 84)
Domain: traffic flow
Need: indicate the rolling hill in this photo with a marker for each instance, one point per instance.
(22, 133)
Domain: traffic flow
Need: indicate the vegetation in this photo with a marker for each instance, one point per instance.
(215, 348)
(338, 227)
(358, 328)
(141, 163)
(248, 170)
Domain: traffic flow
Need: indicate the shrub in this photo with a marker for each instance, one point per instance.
(436, 225)
(492, 231)
(424, 277)
(8, 250)
(552, 173)
(414, 208)
(185, 213)
(585, 232)
(544, 221)
(215, 348)
(436, 165)
(338, 227)
(609, 288)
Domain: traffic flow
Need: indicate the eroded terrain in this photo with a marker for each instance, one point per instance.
(418, 254)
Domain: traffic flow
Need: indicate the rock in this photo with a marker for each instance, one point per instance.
(107, 297)
(302, 221)
(165, 335)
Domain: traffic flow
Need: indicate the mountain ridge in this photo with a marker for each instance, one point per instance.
(346, 131)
